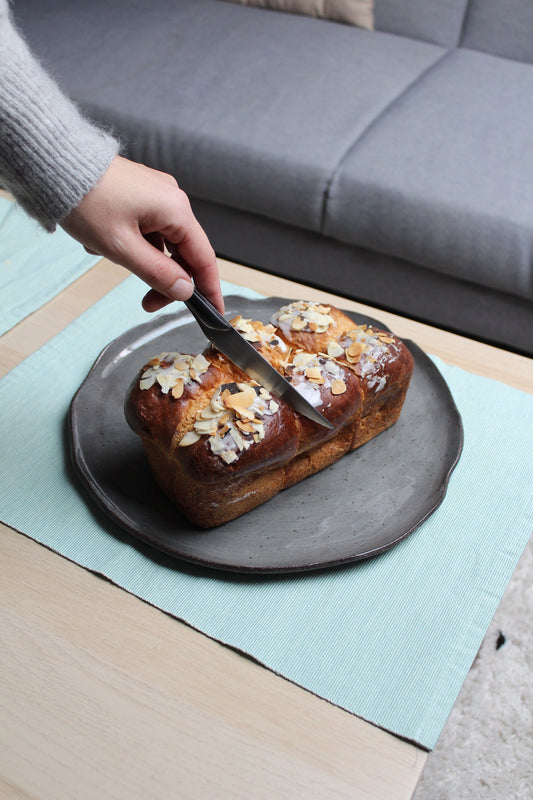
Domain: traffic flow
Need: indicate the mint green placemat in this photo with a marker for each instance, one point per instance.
(390, 639)
(34, 265)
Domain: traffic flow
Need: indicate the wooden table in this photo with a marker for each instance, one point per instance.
(104, 696)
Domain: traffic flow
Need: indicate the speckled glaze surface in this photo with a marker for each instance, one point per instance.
(357, 508)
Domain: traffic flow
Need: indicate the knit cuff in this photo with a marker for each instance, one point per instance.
(50, 155)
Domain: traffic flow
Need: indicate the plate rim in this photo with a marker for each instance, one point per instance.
(116, 514)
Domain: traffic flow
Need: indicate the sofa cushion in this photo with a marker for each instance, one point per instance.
(352, 12)
(503, 29)
(250, 110)
(369, 277)
(436, 21)
(444, 179)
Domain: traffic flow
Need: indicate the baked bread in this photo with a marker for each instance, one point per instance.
(219, 444)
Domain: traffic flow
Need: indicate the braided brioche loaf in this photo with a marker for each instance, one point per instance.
(219, 444)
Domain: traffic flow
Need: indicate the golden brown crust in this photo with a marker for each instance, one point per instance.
(310, 326)
(163, 417)
(219, 444)
(382, 362)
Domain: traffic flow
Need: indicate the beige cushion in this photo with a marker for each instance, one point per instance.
(353, 12)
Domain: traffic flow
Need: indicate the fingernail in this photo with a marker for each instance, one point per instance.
(180, 290)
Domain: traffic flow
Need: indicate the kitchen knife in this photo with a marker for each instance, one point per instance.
(230, 342)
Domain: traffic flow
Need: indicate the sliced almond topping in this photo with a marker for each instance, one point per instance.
(334, 349)
(237, 438)
(353, 359)
(190, 438)
(146, 383)
(154, 362)
(200, 363)
(338, 386)
(206, 426)
(313, 373)
(245, 427)
(244, 413)
(235, 320)
(177, 389)
(240, 399)
(217, 406)
(166, 381)
(298, 324)
(209, 413)
(302, 359)
(355, 349)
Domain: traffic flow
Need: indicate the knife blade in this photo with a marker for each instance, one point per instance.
(230, 342)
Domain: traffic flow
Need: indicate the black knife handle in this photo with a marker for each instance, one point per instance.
(205, 313)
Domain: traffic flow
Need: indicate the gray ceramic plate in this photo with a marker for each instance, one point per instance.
(362, 505)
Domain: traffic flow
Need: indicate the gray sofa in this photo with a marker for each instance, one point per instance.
(393, 166)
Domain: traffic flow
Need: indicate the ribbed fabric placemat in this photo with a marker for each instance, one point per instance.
(34, 265)
(390, 639)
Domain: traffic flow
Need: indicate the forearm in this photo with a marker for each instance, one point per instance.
(50, 155)
(62, 169)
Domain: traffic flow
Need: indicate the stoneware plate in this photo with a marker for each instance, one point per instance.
(359, 507)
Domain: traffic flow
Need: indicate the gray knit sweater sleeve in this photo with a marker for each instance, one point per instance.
(50, 155)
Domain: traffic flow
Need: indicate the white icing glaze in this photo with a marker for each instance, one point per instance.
(256, 332)
(232, 430)
(302, 315)
(167, 369)
(310, 372)
(377, 346)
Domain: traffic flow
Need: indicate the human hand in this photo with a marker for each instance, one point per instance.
(131, 214)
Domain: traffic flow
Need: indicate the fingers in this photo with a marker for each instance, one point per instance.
(154, 301)
(190, 247)
(132, 204)
(206, 277)
(156, 240)
(168, 279)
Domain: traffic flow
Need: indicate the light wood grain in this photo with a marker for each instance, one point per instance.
(104, 696)
(45, 323)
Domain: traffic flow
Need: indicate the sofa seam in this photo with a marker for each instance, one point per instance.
(384, 111)
(466, 13)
